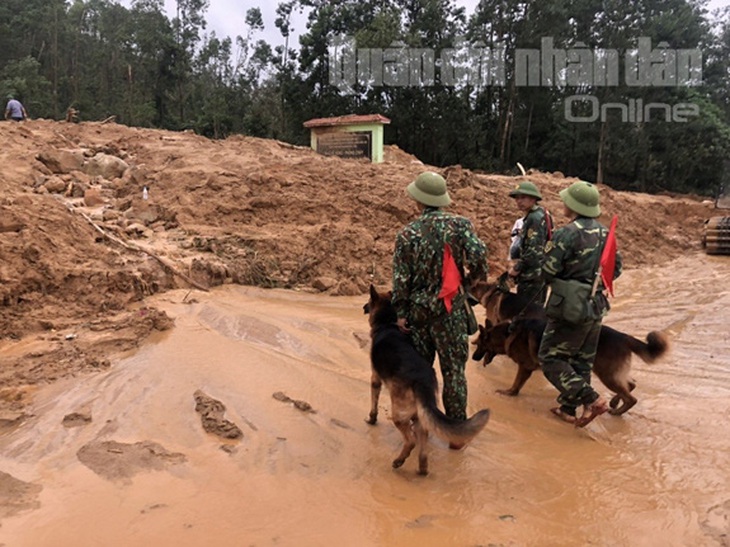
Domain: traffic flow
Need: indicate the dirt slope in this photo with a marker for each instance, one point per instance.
(80, 248)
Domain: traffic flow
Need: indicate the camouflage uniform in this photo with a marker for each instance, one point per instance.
(417, 265)
(535, 232)
(567, 351)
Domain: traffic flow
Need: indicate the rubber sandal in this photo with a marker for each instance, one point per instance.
(591, 412)
(557, 411)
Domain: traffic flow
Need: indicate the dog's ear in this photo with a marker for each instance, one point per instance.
(373, 293)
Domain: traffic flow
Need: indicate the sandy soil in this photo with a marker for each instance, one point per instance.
(243, 210)
(120, 370)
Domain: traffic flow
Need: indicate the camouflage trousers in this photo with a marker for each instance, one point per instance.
(566, 354)
(445, 335)
(534, 289)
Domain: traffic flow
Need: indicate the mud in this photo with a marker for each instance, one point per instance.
(657, 475)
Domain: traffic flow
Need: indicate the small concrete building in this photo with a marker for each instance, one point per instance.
(351, 136)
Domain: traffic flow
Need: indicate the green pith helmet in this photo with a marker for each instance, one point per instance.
(582, 198)
(429, 188)
(526, 188)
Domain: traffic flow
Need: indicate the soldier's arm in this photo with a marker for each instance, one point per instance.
(401, 276)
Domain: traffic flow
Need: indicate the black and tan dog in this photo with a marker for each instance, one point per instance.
(411, 381)
(503, 305)
(520, 341)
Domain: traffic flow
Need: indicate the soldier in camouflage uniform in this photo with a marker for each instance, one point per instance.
(417, 270)
(536, 230)
(567, 350)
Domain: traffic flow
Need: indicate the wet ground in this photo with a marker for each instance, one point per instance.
(143, 470)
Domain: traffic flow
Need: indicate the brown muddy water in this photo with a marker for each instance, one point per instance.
(659, 475)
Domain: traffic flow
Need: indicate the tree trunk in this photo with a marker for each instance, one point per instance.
(506, 130)
(529, 126)
(601, 145)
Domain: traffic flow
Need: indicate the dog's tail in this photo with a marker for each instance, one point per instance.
(657, 344)
(455, 432)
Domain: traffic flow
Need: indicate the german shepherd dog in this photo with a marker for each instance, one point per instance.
(520, 341)
(503, 305)
(411, 381)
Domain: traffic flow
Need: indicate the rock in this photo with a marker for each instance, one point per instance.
(137, 229)
(92, 197)
(109, 167)
(60, 161)
(211, 415)
(55, 185)
(324, 283)
(111, 214)
(76, 419)
(348, 288)
(145, 214)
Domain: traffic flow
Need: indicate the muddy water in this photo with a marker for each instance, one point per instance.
(660, 475)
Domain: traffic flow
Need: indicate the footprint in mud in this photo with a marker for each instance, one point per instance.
(211, 415)
(304, 406)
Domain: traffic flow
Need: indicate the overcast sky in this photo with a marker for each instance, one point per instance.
(228, 17)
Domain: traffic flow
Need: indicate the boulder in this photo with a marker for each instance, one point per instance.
(106, 166)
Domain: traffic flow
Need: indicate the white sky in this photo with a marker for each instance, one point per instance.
(228, 17)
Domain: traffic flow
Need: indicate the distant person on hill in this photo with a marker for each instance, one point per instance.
(528, 249)
(15, 110)
(437, 322)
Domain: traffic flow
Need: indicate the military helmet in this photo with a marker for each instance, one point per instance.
(429, 188)
(526, 188)
(582, 198)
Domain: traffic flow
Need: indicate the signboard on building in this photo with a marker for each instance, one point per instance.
(352, 136)
(350, 144)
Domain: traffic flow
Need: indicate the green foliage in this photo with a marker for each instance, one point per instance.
(22, 80)
(151, 69)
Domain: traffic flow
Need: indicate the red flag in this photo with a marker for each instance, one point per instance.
(450, 278)
(608, 256)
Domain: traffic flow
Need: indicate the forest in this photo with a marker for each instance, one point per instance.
(631, 94)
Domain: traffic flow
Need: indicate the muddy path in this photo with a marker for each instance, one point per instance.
(122, 458)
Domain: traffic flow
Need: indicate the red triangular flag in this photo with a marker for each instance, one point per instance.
(608, 256)
(450, 278)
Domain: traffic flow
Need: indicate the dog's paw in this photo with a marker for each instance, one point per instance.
(372, 419)
(398, 463)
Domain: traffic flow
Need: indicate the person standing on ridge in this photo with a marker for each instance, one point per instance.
(15, 110)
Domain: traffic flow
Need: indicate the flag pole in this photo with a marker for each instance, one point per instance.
(599, 272)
